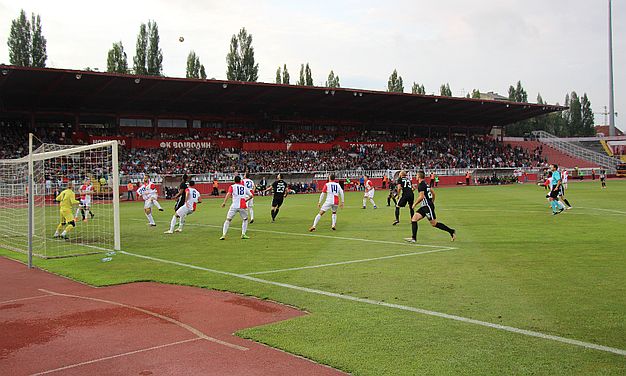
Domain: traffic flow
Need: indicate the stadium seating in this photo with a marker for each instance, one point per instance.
(553, 155)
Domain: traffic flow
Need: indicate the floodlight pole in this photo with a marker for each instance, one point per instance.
(611, 91)
(31, 201)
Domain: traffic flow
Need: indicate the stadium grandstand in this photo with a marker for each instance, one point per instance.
(171, 126)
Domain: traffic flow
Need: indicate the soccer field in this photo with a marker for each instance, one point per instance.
(520, 292)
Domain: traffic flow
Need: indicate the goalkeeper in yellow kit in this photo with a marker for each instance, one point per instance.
(67, 199)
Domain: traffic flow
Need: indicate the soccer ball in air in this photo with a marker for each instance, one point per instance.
(181, 39)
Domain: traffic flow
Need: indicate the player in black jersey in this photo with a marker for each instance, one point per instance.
(180, 196)
(280, 191)
(426, 199)
(405, 188)
(393, 193)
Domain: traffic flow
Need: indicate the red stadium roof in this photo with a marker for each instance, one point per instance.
(43, 90)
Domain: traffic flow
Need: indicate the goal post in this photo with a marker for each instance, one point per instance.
(33, 222)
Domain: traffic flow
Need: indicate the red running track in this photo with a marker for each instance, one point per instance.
(52, 325)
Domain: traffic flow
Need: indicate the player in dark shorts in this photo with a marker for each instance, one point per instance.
(426, 200)
(405, 187)
(393, 193)
(180, 196)
(280, 191)
(603, 178)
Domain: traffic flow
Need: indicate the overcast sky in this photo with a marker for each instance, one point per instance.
(553, 46)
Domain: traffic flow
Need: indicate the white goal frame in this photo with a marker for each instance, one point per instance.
(32, 158)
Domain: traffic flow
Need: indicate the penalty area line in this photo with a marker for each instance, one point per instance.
(529, 333)
(349, 262)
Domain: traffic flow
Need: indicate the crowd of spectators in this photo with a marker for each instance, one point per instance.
(435, 153)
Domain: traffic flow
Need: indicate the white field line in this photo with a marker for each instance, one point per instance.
(607, 210)
(511, 329)
(349, 262)
(29, 298)
(323, 236)
(115, 356)
(182, 325)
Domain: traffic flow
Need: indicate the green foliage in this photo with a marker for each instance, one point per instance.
(418, 89)
(194, 68)
(308, 76)
(117, 61)
(20, 41)
(301, 80)
(476, 94)
(38, 46)
(285, 75)
(332, 81)
(240, 58)
(27, 45)
(588, 121)
(140, 58)
(395, 85)
(154, 55)
(445, 90)
(279, 76)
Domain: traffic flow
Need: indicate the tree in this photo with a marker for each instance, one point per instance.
(332, 81)
(154, 55)
(301, 80)
(116, 60)
(418, 89)
(520, 93)
(279, 76)
(285, 75)
(194, 68)
(476, 94)
(445, 90)
(395, 85)
(38, 44)
(512, 94)
(20, 41)
(588, 120)
(140, 58)
(575, 118)
(240, 58)
(539, 99)
(308, 76)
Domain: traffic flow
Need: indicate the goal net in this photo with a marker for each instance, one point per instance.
(50, 228)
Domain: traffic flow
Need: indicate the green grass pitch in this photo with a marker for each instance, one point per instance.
(514, 264)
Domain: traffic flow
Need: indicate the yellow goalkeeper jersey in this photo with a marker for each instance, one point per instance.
(67, 198)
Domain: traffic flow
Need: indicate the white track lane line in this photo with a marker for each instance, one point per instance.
(323, 236)
(115, 356)
(349, 262)
(530, 333)
(182, 325)
(28, 298)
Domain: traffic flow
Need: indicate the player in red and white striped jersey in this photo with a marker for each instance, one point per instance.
(248, 183)
(334, 199)
(86, 190)
(369, 192)
(192, 198)
(240, 195)
(150, 195)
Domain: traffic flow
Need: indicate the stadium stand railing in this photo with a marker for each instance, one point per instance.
(577, 151)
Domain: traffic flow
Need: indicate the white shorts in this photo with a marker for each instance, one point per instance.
(184, 211)
(243, 213)
(148, 203)
(329, 206)
(370, 193)
(86, 202)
